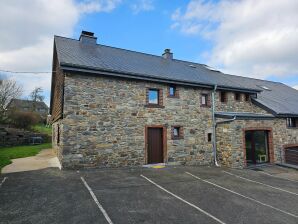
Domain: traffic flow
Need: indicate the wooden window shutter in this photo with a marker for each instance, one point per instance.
(209, 100)
(160, 97)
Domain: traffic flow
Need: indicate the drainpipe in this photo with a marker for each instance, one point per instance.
(214, 126)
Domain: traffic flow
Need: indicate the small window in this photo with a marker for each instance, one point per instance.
(209, 137)
(247, 97)
(292, 122)
(204, 99)
(172, 91)
(58, 134)
(153, 96)
(237, 96)
(223, 97)
(177, 132)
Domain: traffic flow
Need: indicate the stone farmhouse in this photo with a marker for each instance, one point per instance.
(113, 107)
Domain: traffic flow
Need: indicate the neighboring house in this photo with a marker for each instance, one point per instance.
(28, 105)
(114, 107)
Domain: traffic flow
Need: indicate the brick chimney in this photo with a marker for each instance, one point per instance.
(167, 54)
(87, 38)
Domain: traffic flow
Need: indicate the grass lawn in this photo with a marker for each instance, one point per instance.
(41, 128)
(8, 153)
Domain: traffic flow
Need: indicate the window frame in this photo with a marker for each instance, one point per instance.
(159, 98)
(180, 132)
(292, 122)
(237, 96)
(176, 95)
(209, 137)
(207, 99)
(223, 96)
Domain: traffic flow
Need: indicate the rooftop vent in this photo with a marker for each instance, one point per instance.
(87, 37)
(167, 54)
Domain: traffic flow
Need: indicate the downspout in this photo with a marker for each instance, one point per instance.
(214, 126)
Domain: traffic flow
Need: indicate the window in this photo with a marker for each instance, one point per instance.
(172, 92)
(204, 99)
(223, 97)
(247, 97)
(209, 137)
(58, 134)
(154, 98)
(177, 132)
(292, 122)
(237, 96)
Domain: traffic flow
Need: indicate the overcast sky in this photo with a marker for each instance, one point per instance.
(254, 38)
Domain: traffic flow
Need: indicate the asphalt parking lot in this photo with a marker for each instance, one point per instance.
(147, 195)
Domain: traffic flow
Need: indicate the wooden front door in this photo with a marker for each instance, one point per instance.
(155, 145)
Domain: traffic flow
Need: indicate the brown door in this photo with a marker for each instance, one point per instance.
(291, 155)
(155, 146)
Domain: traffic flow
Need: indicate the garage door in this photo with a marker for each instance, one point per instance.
(291, 155)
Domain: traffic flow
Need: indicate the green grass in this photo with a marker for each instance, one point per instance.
(41, 128)
(8, 153)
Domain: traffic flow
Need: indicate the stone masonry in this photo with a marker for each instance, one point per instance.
(104, 122)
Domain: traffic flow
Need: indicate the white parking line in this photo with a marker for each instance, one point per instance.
(283, 178)
(257, 182)
(181, 199)
(103, 211)
(243, 196)
(2, 182)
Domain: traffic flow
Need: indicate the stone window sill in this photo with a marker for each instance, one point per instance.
(154, 106)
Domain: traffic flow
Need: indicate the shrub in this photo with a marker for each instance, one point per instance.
(24, 119)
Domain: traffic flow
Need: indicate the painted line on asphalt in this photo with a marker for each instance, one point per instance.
(2, 182)
(103, 211)
(283, 178)
(257, 182)
(243, 196)
(181, 199)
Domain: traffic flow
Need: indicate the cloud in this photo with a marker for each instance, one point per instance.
(91, 6)
(142, 5)
(295, 87)
(28, 28)
(251, 37)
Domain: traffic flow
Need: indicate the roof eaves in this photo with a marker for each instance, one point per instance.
(76, 68)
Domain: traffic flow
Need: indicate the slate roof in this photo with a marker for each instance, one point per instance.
(243, 115)
(76, 56)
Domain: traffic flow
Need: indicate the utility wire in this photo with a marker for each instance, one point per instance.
(24, 72)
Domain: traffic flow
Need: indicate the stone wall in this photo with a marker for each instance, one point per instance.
(104, 122)
(105, 118)
(15, 137)
(231, 139)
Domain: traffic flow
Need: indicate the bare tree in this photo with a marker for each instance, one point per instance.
(36, 94)
(9, 89)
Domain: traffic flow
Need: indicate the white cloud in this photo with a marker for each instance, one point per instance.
(142, 5)
(295, 87)
(251, 37)
(27, 31)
